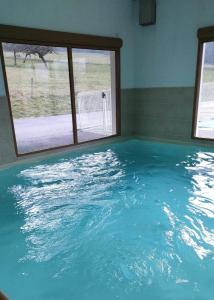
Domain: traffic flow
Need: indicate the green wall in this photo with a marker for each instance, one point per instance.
(165, 67)
(166, 52)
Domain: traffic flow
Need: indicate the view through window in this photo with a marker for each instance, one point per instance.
(205, 106)
(39, 88)
(41, 84)
(94, 82)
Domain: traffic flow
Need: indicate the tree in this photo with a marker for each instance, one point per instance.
(28, 50)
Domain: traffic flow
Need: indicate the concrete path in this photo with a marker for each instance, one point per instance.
(206, 119)
(47, 132)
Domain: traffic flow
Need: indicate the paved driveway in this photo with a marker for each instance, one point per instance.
(206, 119)
(53, 131)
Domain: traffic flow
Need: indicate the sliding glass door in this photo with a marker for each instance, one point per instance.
(95, 93)
(204, 118)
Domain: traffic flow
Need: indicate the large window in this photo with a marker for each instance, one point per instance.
(203, 125)
(60, 94)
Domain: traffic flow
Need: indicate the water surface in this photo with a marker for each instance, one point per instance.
(129, 221)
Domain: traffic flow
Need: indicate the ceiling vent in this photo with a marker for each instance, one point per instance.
(147, 12)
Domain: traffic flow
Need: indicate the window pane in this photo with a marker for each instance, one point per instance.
(205, 118)
(94, 81)
(38, 82)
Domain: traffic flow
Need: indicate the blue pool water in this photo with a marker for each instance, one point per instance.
(131, 221)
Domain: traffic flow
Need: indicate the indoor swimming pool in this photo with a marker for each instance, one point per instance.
(128, 220)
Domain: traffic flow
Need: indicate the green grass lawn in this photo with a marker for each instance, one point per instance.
(36, 90)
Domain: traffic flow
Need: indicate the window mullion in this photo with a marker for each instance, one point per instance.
(72, 91)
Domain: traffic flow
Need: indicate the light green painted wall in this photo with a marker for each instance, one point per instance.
(166, 52)
(165, 66)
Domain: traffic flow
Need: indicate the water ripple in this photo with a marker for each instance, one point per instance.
(132, 221)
